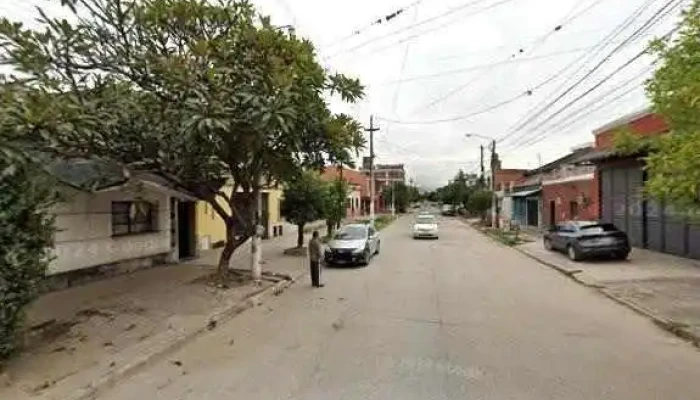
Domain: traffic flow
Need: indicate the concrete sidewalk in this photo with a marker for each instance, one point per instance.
(661, 286)
(91, 335)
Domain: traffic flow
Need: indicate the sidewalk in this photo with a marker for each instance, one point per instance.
(661, 286)
(93, 334)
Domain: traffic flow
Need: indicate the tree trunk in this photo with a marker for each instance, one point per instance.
(300, 235)
(329, 228)
(227, 252)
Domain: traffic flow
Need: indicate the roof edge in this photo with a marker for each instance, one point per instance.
(624, 120)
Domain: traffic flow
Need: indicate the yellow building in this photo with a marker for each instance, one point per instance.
(211, 229)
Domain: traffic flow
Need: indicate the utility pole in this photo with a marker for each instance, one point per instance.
(494, 200)
(483, 175)
(371, 131)
(393, 204)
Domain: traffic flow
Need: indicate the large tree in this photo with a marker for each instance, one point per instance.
(673, 162)
(203, 92)
(303, 201)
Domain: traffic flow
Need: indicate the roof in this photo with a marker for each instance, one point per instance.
(93, 175)
(604, 155)
(567, 159)
(525, 193)
(88, 175)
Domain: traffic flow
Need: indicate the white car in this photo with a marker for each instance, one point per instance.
(426, 226)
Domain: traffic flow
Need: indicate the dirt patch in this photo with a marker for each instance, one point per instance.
(230, 279)
(296, 251)
(49, 331)
(93, 312)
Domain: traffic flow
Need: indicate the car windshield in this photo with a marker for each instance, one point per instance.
(351, 233)
(598, 228)
(425, 219)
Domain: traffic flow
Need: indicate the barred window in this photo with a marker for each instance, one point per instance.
(133, 217)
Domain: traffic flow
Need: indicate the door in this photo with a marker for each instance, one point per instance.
(185, 229)
(552, 213)
(533, 216)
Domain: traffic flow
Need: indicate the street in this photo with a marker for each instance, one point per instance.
(458, 318)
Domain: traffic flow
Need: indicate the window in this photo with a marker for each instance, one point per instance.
(133, 217)
(573, 209)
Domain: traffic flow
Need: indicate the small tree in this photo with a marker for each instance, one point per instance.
(335, 201)
(303, 202)
(479, 203)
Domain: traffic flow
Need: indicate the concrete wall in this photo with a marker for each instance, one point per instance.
(211, 228)
(84, 238)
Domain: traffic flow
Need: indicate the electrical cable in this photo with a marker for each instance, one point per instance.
(652, 20)
(377, 21)
(451, 11)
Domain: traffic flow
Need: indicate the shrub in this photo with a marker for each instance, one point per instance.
(26, 235)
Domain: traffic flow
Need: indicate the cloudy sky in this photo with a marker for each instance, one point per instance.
(501, 69)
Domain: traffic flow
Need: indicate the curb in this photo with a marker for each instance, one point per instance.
(98, 387)
(669, 326)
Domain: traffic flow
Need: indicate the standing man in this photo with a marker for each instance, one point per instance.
(315, 254)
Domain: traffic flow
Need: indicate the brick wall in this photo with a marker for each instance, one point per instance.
(645, 125)
(562, 194)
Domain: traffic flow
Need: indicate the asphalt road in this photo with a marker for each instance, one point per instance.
(457, 318)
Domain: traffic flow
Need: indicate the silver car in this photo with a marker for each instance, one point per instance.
(353, 244)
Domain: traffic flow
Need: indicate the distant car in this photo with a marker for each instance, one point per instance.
(587, 239)
(426, 226)
(353, 244)
(448, 210)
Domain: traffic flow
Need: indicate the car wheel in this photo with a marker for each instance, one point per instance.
(573, 254)
(378, 244)
(367, 256)
(548, 244)
(621, 256)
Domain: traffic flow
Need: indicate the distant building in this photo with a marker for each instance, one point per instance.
(386, 174)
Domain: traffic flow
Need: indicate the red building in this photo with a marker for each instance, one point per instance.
(359, 196)
(650, 223)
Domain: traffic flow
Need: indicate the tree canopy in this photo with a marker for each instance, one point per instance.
(202, 92)
(673, 164)
(304, 201)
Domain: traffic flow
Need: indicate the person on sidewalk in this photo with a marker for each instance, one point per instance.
(315, 254)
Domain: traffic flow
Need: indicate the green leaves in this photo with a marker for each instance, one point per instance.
(672, 165)
(304, 198)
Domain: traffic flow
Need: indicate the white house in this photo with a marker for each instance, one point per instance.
(112, 221)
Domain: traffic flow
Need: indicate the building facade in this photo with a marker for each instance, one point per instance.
(650, 223)
(211, 229)
(113, 221)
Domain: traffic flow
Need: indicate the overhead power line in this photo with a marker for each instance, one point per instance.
(586, 109)
(537, 43)
(659, 14)
(449, 12)
(482, 66)
(376, 21)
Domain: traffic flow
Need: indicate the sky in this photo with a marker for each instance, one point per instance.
(506, 70)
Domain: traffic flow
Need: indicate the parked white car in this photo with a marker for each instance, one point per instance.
(426, 226)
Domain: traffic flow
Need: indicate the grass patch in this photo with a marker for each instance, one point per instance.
(380, 221)
(509, 238)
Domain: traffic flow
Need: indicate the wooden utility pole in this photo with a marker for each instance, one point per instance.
(371, 131)
(483, 175)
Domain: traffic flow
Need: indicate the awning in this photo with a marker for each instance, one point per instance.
(525, 193)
